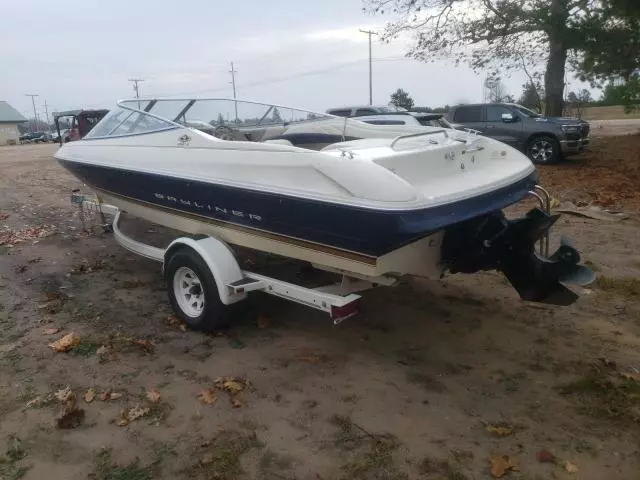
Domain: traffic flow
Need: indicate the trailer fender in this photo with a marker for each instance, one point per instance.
(220, 260)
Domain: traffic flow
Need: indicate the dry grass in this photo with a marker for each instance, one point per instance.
(432, 469)
(608, 174)
(105, 469)
(372, 454)
(603, 393)
(627, 286)
(608, 113)
(221, 459)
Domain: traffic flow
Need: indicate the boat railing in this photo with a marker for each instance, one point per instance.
(420, 134)
(544, 198)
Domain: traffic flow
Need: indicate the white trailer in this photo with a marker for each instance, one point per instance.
(203, 277)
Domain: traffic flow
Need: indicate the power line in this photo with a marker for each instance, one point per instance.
(307, 73)
(35, 114)
(370, 32)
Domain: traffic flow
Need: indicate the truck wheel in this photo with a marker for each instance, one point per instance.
(543, 150)
(193, 292)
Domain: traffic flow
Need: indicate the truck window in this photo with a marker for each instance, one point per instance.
(340, 113)
(494, 112)
(467, 114)
(365, 111)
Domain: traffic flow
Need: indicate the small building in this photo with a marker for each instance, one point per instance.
(9, 120)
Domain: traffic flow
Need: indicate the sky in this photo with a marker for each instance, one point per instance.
(303, 53)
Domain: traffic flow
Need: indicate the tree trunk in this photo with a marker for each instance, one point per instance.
(554, 75)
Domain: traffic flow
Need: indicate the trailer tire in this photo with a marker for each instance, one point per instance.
(193, 293)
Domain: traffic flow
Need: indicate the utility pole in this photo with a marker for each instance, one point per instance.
(233, 83)
(136, 89)
(135, 85)
(35, 114)
(369, 32)
(46, 111)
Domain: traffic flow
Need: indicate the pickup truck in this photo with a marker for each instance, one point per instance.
(544, 139)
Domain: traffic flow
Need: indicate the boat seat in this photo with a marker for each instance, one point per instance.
(279, 141)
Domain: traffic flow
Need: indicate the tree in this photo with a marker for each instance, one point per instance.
(495, 91)
(220, 120)
(576, 102)
(611, 54)
(531, 96)
(402, 99)
(507, 34)
(611, 42)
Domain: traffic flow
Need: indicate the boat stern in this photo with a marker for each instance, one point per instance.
(493, 242)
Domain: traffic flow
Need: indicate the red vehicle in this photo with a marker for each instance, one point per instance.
(78, 122)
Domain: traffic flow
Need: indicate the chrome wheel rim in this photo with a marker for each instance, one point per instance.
(188, 292)
(541, 151)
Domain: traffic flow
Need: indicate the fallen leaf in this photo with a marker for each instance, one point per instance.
(128, 415)
(635, 376)
(4, 216)
(114, 396)
(102, 350)
(545, 456)
(499, 431)
(231, 385)
(207, 459)
(65, 343)
(153, 395)
(50, 331)
(183, 327)
(312, 358)
(71, 417)
(207, 396)
(104, 396)
(21, 268)
(145, 344)
(64, 395)
(90, 395)
(502, 464)
(263, 321)
(570, 467)
(136, 412)
(235, 402)
(34, 402)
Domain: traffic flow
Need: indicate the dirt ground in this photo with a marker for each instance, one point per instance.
(454, 380)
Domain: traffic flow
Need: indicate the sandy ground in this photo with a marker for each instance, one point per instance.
(607, 128)
(432, 380)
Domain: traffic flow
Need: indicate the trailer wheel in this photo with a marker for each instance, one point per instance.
(193, 293)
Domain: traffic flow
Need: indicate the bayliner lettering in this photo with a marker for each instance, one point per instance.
(211, 208)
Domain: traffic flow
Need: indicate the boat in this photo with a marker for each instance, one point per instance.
(372, 202)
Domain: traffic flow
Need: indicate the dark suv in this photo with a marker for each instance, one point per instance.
(543, 139)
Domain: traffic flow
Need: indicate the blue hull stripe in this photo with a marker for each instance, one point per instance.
(356, 229)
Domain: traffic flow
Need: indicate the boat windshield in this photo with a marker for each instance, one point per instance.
(207, 114)
(240, 120)
(121, 122)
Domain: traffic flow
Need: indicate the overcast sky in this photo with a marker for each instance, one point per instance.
(308, 54)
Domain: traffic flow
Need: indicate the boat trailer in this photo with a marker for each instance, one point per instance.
(222, 273)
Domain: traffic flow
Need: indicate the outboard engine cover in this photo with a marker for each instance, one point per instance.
(495, 243)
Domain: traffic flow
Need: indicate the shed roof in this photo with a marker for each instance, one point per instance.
(10, 114)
